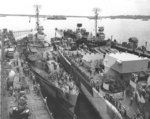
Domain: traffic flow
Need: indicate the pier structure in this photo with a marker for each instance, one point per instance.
(35, 100)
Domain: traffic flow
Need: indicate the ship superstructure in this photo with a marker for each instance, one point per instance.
(81, 35)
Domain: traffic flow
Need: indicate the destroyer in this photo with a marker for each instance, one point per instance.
(51, 75)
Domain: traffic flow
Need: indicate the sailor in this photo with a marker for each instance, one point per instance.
(125, 113)
(10, 79)
(38, 89)
(16, 95)
(131, 100)
(33, 78)
(74, 116)
(21, 93)
(11, 90)
(92, 82)
(97, 85)
(22, 101)
(123, 93)
(45, 100)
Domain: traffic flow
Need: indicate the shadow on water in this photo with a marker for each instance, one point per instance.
(57, 111)
(83, 109)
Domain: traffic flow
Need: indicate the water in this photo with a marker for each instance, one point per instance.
(120, 29)
(84, 109)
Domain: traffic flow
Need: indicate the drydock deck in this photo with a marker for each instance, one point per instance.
(3, 98)
(0, 87)
(36, 104)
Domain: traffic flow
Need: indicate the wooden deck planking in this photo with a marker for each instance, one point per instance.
(35, 102)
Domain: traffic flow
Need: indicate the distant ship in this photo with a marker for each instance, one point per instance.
(82, 36)
(132, 47)
(108, 78)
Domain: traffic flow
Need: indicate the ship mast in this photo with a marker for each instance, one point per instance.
(37, 17)
(96, 10)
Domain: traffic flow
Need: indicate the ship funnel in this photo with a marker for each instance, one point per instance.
(78, 30)
(79, 25)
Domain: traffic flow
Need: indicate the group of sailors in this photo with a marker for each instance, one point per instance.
(122, 109)
(117, 104)
(64, 81)
(77, 57)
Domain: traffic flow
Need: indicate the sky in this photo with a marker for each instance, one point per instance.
(77, 7)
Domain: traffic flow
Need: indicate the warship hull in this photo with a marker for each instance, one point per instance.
(103, 107)
(66, 102)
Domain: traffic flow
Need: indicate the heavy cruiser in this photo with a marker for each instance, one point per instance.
(108, 78)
